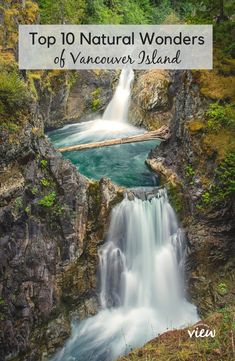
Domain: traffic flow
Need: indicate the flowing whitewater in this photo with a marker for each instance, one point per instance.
(141, 281)
(117, 109)
(113, 123)
(123, 164)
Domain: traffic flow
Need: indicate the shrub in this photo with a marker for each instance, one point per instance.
(18, 204)
(62, 11)
(189, 171)
(96, 93)
(45, 182)
(206, 197)
(162, 11)
(34, 191)
(222, 288)
(44, 163)
(225, 175)
(218, 116)
(95, 104)
(13, 92)
(48, 201)
(224, 186)
(27, 209)
(11, 127)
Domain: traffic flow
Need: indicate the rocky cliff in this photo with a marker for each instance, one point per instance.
(52, 219)
(66, 97)
(190, 166)
(83, 95)
(151, 103)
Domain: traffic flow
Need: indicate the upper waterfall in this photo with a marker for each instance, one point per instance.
(117, 109)
(113, 123)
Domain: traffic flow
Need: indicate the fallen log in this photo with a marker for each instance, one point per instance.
(159, 134)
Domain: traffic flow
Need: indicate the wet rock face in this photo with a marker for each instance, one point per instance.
(90, 93)
(64, 98)
(74, 97)
(151, 99)
(52, 220)
(210, 263)
(210, 234)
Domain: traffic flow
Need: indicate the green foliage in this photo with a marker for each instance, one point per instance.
(27, 209)
(44, 163)
(95, 104)
(176, 198)
(48, 201)
(97, 11)
(136, 12)
(199, 207)
(34, 190)
(13, 93)
(96, 93)
(45, 182)
(225, 175)
(223, 37)
(206, 12)
(216, 112)
(162, 11)
(62, 11)
(222, 288)
(2, 302)
(189, 171)
(96, 100)
(72, 77)
(18, 204)
(219, 116)
(58, 209)
(206, 197)
(228, 316)
(11, 127)
(104, 14)
(119, 12)
(224, 183)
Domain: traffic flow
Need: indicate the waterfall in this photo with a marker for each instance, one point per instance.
(113, 123)
(117, 109)
(141, 283)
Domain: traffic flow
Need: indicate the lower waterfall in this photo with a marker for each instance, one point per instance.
(141, 283)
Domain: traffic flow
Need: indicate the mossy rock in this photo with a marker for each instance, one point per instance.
(218, 145)
(176, 198)
(195, 126)
(215, 86)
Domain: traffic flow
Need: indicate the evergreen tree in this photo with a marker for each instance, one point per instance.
(62, 11)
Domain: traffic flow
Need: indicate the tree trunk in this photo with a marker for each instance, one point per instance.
(159, 134)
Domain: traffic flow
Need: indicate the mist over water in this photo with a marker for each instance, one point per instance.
(141, 283)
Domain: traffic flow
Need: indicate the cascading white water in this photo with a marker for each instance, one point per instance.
(117, 110)
(141, 276)
(113, 123)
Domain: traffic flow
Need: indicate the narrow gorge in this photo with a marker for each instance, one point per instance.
(142, 261)
(115, 253)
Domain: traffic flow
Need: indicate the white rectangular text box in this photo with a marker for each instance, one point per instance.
(115, 46)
